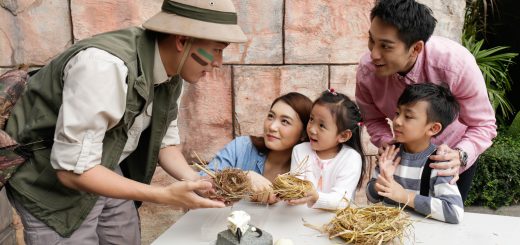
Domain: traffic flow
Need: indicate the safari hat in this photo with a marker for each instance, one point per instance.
(205, 19)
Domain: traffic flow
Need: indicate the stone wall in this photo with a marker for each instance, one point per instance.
(294, 45)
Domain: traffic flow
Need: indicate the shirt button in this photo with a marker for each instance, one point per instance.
(133, 132)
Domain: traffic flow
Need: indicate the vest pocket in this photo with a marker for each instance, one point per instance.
(47, 180)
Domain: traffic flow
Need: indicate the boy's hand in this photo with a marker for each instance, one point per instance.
(310, 198)
(388, 161)
(389, 188)
(447, 162)
(381, 149)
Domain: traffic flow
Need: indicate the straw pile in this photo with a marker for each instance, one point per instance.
(231, 184)
(289, 187)
(374, 224)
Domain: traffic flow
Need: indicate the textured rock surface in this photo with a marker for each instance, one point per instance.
(109, 15)
(449, 15)
(262, 24)
(30, 34)
(324, 31)
(205, 114)
(255, 87)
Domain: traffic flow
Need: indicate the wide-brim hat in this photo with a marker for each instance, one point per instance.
(206, 19)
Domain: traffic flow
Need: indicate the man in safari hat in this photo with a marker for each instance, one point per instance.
(108, 106)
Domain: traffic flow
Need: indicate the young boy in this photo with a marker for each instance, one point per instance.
(424, 110)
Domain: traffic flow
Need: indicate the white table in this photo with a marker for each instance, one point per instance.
(282, 221)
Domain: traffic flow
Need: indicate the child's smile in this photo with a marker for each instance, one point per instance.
(323, 132)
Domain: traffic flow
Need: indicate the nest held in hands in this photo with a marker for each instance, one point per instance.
(288, 187)
(232, 184)
(374, 224)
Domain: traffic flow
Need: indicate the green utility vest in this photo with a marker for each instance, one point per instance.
(35, 184)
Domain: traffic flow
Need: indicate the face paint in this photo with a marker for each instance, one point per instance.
(199, 60)
(205, 54)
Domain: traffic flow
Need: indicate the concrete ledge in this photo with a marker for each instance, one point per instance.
(507, 210)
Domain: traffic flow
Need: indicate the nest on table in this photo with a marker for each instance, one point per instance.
(374, 224)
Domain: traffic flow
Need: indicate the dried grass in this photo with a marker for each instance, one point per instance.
(374, 224)
(231, 184)
(288, 186)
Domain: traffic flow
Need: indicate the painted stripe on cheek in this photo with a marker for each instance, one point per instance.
(205, 54)
(199, 60)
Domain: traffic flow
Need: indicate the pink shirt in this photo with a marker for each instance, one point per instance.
(444, 62)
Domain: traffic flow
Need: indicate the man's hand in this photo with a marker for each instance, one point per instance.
(182, 195)
(447, 162)
(210, 192)
(262, 189)
(310, 198)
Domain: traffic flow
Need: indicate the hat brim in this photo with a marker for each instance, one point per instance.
(179, 25)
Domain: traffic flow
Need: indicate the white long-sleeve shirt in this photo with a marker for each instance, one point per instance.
(94, 101)
(340, 175)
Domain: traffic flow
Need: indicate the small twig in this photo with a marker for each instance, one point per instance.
(208, 172)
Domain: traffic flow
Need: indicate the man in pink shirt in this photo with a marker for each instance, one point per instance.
(401, 53)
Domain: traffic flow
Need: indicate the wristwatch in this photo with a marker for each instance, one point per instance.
(463, 156)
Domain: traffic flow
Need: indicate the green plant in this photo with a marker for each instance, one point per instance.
(475, 19)
(514, 128)
(494, 65)
(497, 180)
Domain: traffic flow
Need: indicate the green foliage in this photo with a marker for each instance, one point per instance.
(494, 65)
(514, 129)
(494, 62)
(497, 180)
(475, 19)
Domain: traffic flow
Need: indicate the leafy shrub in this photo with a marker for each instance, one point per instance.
(497, 180)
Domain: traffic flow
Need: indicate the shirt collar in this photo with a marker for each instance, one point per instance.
(159, 72)
(412, 76)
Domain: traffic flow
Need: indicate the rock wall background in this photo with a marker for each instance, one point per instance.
(294, 45)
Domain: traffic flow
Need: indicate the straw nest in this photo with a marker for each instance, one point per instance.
(288, 187)
(374, 224)
(231, 184)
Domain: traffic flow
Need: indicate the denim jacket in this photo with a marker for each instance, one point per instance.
(239, 153)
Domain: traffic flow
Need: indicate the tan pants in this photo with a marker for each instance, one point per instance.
(111, 221)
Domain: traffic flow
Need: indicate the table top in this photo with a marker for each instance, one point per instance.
(282, 221)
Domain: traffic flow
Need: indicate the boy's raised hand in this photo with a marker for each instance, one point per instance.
(388, 161)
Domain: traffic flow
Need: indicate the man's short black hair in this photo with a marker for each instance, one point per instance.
(414, 21)
(442, 105)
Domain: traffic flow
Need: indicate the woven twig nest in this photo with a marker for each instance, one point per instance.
(374, 224)
(289, 187)
(231, 184)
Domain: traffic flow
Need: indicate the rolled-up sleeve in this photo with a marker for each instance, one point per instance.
(94, 96)
(172, 134)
